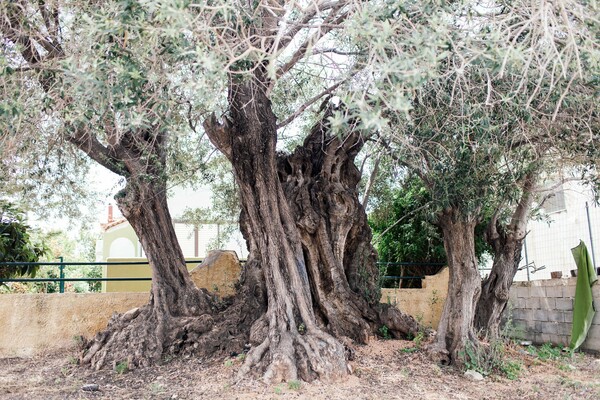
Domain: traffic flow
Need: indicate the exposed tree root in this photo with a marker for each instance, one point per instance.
(146, 335)
(438, 353)
(399, 324)
(285, 356)
(140, 338)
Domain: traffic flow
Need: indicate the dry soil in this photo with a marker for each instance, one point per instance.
(382, 370)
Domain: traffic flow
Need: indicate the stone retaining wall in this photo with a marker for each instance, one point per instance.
(424, 304)
(34, 323)
(542, 311)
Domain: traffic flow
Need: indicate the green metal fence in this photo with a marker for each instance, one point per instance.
(423, 268)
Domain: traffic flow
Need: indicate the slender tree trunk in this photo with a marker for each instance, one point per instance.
(507, 244)
(455, 330)
(147, 211)
(495, 288)
(177, 314)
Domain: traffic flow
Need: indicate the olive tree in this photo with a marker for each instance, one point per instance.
(132, 85)
(506, 82)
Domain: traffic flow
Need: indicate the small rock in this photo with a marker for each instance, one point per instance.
(473, 375)
(526, 343)
(92, 387)
(571, 367)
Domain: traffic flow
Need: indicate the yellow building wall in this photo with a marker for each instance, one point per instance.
(132, 271)
(425, 304)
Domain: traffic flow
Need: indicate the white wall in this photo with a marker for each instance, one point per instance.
(549, 244)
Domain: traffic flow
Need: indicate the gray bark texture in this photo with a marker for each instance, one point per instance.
(455, 330)
(506, 241)
(309, 236)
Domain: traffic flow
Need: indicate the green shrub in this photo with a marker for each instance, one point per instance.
(545, 352)
(121, 367)
(294, 385)
(384, 332)
(490, 359)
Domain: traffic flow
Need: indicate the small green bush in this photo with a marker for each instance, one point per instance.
(121, 367)
(490, 359)
(384, 332)
(545, 352)
(294, 385)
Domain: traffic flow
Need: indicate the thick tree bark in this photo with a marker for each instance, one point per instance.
(289, 343)
(455, 330)
(507, 244)
(320, 182)
(309, 237)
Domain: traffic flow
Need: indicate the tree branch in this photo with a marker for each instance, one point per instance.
(314, 8)
(309, 103)
(90, 145)
(218, 133)
(328, 25)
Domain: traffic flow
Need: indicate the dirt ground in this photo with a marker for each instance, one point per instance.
(382, 370)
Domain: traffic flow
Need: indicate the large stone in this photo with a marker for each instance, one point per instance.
(473, 375)
(218, 273)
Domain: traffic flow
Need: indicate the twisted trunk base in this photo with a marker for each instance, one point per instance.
(310, 281)
(150, 334)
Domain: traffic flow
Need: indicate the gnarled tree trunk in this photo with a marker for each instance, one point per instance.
(292, 345)
(507, 243)
(455, 330)
(320, 183)
(309, 236)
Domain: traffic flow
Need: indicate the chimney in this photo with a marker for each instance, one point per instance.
(110, 213)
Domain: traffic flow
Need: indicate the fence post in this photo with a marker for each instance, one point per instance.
(526, 259)
(61, 275)
(587, 211)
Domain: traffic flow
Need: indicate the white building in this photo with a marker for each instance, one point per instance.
(118, 240)
(572, 216)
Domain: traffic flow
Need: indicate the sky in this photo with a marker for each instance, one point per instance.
(108, 184)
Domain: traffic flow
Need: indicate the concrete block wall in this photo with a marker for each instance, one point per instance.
(542, 311)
